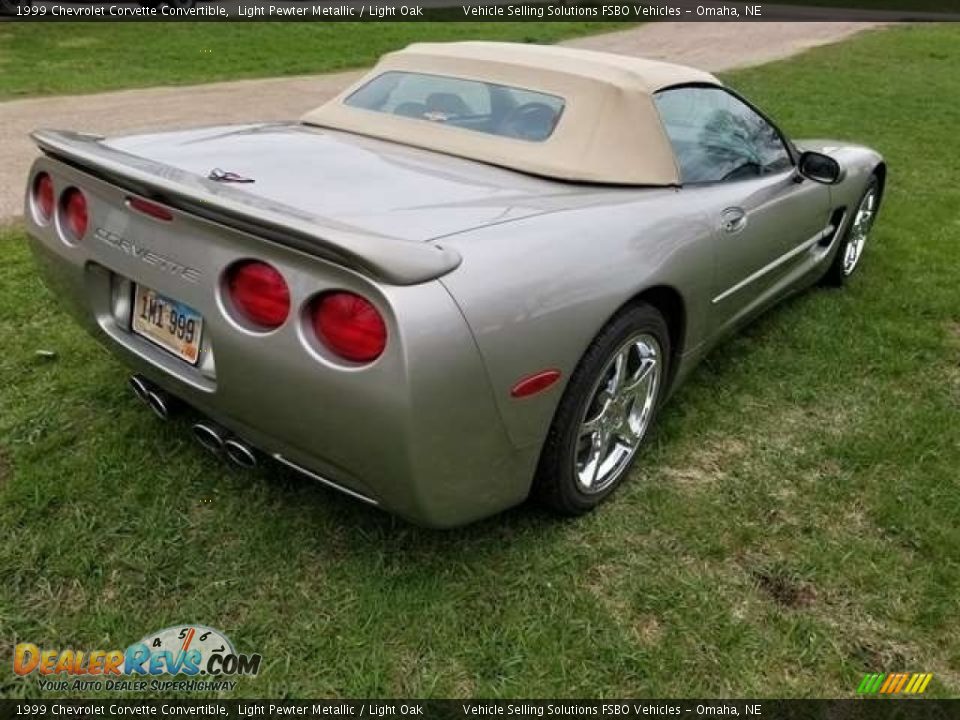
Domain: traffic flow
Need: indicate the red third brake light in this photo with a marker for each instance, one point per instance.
(43, 198)
(349, 325)
(74, 207)
(259, 292)
(146, 207)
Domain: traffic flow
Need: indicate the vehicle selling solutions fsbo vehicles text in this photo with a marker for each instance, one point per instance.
(607, 10)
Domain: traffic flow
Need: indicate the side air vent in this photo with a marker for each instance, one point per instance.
(836, 222)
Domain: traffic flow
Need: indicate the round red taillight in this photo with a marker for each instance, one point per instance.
(43, 197)
(74, 208)
(349, 325)
(259, 292)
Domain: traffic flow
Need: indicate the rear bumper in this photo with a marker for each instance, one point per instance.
(417, 432)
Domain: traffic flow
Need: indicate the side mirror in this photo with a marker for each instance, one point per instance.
(820, 168)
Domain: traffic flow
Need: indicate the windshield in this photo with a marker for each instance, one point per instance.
(471, 104)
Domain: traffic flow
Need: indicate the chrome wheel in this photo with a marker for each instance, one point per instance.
(859, 231)
(618, 413)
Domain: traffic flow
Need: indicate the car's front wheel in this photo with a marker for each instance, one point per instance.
(606, 411)
(850, 250)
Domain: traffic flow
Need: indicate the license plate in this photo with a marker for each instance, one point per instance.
(168, 323)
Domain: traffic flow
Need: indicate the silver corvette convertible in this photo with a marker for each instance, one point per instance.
(474, 275)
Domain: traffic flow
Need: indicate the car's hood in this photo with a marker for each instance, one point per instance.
(366, 183)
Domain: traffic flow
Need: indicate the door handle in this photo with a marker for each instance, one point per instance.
(733, 220)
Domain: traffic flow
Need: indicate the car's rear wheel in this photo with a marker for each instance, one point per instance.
(850, 251)
(606, 412)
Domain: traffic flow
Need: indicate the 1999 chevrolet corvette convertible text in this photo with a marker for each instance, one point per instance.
(476, 273)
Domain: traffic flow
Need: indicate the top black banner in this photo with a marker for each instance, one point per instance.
(480, 10)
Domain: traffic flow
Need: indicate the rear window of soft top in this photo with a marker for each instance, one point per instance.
(469, 104)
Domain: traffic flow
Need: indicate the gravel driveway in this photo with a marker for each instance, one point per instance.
(710, 46)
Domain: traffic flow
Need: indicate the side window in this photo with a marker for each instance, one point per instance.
(717, 137)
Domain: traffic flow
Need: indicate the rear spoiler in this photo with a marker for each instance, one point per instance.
(391, 260)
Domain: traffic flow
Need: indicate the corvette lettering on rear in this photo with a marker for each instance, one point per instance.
(148, 256)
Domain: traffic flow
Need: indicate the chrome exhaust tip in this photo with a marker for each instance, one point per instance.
(141, 388)
(159, 402)
(153, 397)
(240, 454)
(210, 436)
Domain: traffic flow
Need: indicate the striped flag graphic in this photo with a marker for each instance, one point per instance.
(894, 683)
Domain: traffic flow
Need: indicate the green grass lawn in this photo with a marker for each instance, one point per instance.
(794, 524)
(57, 58)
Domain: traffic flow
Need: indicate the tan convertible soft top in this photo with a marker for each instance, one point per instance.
(609, 131)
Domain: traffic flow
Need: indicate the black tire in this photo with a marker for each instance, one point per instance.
(837, 274)
(556, 484)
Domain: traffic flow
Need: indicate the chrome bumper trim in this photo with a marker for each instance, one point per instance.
(329, 483)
